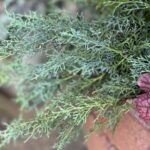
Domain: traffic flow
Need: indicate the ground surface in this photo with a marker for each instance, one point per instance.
(43, 144)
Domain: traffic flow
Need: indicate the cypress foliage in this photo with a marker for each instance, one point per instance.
(90, 66)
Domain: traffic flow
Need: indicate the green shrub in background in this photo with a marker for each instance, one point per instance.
(91, 65)
(18, 6)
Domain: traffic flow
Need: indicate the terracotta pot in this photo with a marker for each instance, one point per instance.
(130, 134)
(96, 141)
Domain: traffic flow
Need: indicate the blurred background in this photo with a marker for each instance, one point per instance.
(8, 109)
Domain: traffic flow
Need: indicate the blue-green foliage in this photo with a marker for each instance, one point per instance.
(90, 65)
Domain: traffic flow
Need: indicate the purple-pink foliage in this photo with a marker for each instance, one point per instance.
(142, 102)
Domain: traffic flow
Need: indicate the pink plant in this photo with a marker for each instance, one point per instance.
(142, 102)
